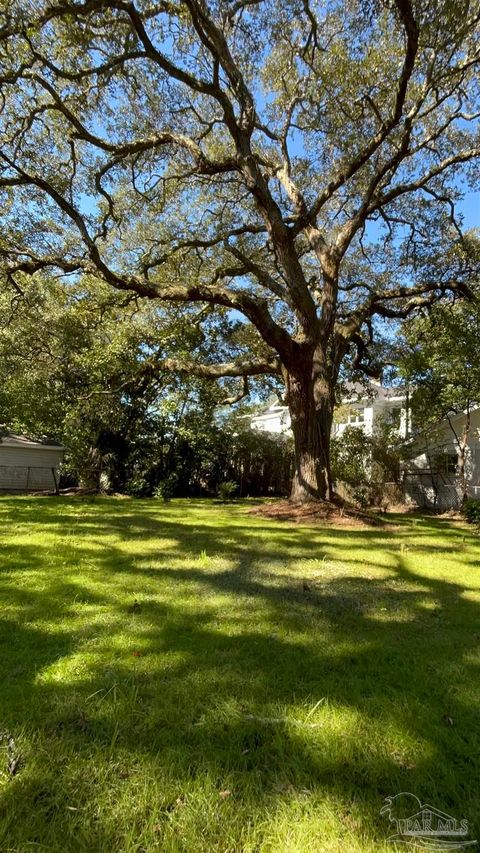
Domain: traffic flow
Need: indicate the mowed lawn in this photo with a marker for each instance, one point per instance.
(189, 677)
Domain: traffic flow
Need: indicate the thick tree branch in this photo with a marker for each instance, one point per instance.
(252, 306)
(410, 298)
(205, 166)
(412, 186)
(405, 11)
(220, 371)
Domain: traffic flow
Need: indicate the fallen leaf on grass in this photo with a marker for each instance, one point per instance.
(14, 758)
(180, 801)
(13, 765)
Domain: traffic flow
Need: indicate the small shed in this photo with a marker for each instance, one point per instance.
(28, 465)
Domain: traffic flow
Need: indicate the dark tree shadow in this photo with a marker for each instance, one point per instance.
(393, 656)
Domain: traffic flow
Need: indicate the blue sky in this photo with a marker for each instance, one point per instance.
(469, 207)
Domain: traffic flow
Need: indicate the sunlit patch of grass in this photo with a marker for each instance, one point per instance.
(188, 677)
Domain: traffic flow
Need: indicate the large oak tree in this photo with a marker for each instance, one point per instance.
(296, 162)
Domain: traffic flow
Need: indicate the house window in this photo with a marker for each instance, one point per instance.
(356, 418)
(446, 463)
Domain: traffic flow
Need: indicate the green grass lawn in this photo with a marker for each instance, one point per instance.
(188, 677)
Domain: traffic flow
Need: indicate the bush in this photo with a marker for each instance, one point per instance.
(227, 490)
(166, 488)
(137, 486)
(362, 464)
(471, 510)
(351, 464)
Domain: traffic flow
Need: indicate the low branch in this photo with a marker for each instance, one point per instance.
(219, 371)
(361, 354)
(243, 392)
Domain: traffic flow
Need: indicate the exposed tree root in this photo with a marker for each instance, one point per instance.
(325, 512)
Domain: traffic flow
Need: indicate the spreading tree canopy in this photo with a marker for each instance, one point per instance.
(294, 163)
(80, 365)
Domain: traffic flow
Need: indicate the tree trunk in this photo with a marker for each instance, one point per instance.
(462, 457)
(462, 444)
(310, 401)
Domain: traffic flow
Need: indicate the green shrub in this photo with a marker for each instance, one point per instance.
(137, 486)
(471, 510)
(166, 488)
(226, 490)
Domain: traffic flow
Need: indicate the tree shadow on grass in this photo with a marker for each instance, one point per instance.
(213, 687)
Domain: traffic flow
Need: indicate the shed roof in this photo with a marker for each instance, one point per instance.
(10, 439)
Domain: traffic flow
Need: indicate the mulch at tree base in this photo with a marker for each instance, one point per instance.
(319, 511)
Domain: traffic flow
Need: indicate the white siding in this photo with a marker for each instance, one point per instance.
(364, 415)
(274, 420)
(440, 439)
(25, 468)
(43, 457)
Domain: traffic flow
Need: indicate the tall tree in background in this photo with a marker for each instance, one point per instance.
(297, 163)
(74, 365)
(79, 364)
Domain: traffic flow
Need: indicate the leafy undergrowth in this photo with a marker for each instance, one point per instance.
(189, 677)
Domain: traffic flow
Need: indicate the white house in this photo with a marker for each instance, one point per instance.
(27, 465)
(432, 474)
(364, 408)
(368, 409)
(274, 418)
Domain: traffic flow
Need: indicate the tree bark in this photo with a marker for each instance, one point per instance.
(310, 402)
(462, 444)
(462, 458)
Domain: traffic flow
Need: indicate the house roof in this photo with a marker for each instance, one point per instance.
(273, 409)
(10, 439)
(437, 428)
(358, 391)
